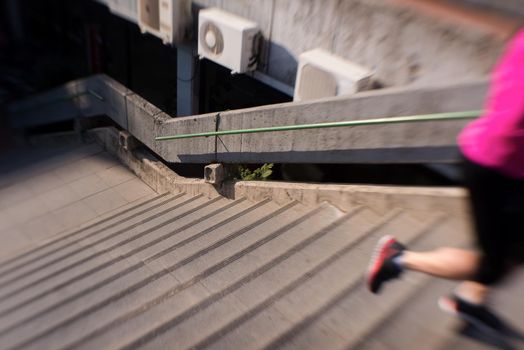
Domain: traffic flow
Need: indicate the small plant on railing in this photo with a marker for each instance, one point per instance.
(260, 174)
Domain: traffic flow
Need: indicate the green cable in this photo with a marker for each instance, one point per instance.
(377, 121)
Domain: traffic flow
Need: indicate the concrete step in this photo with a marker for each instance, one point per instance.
(53, 248)
(76, 257)
(220, 273)
(404, 294)
(408, 327)
(25, 164)
(226, 260)
(59, 190)
(420, 321)
(304, 307)
(408, 316)
(324, 325)
(281, 246)
(116, 297)
(46, 202)
(286, 284)
(125, 261)
(185, 271)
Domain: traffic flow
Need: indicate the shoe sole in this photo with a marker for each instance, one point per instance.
(377, 260)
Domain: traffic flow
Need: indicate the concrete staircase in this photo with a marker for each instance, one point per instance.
(182, 271)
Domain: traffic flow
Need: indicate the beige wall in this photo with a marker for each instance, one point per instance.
(403, 41)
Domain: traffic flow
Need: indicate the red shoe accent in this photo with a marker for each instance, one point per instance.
(381, 253)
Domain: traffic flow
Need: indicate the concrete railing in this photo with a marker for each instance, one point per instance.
(394, 143)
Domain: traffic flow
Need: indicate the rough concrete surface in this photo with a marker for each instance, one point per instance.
(345, 197)
(51, 187)
(402, 142)
(403, 41)
(419, 42)
(180, 270)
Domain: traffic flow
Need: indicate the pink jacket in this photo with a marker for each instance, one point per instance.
(496, 139)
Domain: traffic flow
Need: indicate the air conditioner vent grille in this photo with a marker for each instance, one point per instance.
(211, 38)
(316, 83)
(227, 39)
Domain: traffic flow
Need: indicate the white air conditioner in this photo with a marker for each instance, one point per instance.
(166, 19)
(322, 74)
(228, 40)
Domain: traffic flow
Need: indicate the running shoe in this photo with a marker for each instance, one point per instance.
(382, 268)
(479, 315)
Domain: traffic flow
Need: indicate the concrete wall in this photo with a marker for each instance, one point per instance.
(382, 199)
(404, 41)
(392, 143)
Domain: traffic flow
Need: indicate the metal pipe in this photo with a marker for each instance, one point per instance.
(377, 121)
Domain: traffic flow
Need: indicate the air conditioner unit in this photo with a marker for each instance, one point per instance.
(228, 40)
(166, 19)
(322, 74)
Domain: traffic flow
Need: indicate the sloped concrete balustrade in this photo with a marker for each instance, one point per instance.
(394, 143)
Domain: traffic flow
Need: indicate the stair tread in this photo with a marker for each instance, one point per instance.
(191, 295)
(74, 242)
(224, 273)
(78, 258)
